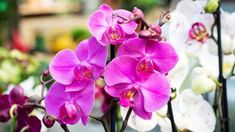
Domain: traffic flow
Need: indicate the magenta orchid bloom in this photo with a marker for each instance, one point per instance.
(78, 69)
(144, 96)
(152, 55)
(106, 27)
(69, 107)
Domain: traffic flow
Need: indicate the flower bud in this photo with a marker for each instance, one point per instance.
(156, 28)
(137, 12)
(48, 121)
(202, 84)
(227, 44)
(17, 94)
(211, 6)
(45, 73)
(145, 34)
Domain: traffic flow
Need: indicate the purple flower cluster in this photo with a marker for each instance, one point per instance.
(137, 76)
(16, 100)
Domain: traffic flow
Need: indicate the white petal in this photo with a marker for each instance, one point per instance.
(210, 62)
(178, 30)
(164, 124)
(192, 112)
(187, 100)
(228, 63)
(190, 7)
(178, 74)
(227, 44)
(202, 118)
(138, 123)
(202, 84)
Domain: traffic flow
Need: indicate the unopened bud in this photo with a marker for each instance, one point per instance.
(17, 94)
(145, 34)
(137, 12)
(156, 28)
(45, 73)
(211, 6)
(48, 121)
(202, 84)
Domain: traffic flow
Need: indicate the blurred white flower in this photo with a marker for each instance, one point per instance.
(202, 80)
(193, 113)
(210, 61)
(189, 26)
(178, 74)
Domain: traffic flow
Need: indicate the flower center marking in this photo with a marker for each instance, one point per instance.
(82, 73)
(115, 35)
(198, 32)
(144, 68)
(129, 94)
(68, 111)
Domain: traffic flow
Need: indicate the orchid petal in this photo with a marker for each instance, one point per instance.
(133, 48)
(139, 107)
(120, 70)
(82, 50)
(128, 28)
(98, 24)
(78, 85)
(163, 55)
(56, 97)
(62, 65)
(85, 98)
(116, 90)
(178, 74)
(156, 92)
(97, 57)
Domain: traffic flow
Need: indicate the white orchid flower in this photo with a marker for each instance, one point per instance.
(189, 26)
(193, 113)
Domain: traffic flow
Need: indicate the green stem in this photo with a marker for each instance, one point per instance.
(12, 125)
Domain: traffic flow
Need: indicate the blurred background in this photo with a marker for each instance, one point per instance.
(32, 31)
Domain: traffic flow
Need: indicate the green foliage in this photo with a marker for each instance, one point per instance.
(80, 34)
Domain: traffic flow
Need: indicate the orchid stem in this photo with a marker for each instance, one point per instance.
(124, 124)
(12, 125)
(113, 113)
(171, 115)
(64, 127)
(224, 102)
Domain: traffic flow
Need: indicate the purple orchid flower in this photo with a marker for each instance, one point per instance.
(152, 55)
(16, 96)
(69, 107)
(25, 122)
(108, 28)
(144, 96)
(78, 69)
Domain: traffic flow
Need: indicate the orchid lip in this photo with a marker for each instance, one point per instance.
(68, 112)
(115, 35)
(144, 68)
(198, 32)
(129, 93)
(82, 73)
